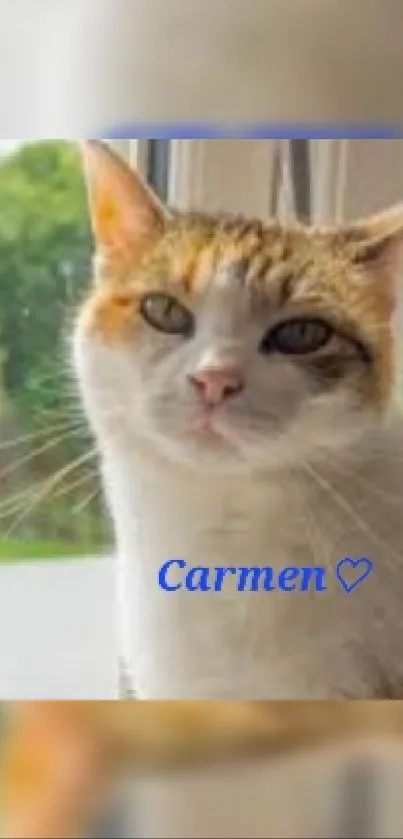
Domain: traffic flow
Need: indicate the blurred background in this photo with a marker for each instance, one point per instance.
(74, 67)
(320, 771)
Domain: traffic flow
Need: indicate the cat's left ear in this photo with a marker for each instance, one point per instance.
(378, 240)
(126, 215)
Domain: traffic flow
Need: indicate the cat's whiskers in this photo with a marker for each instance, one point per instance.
(60, 414)
(48, 485)
(82, 505)
(31, 456)
(16, 503)
(83, 480)
(68, 423)
(15, 442)
(346, 507)
(370, 489)
(320, 547)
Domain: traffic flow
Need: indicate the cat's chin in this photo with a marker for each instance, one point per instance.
(208, 454)
(204, 451)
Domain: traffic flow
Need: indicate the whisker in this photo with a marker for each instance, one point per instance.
(13, 503)
(50, 484)
(346, 506)
(28, 458)
(87, 500)
(84, 479)
(27, 438)
(376, 492)
(55, 415)
(313, 532)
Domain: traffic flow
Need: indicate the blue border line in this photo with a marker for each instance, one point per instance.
(275, 131)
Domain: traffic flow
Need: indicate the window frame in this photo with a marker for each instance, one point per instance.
(252, 176)
(300, 164)
(158, 167)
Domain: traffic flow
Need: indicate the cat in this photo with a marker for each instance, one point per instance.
(242, 380)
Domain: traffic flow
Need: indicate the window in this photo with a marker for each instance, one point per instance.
(301, 177)
(159, 155)
(50, 501)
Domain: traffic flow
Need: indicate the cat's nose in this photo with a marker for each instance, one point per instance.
(215, 385)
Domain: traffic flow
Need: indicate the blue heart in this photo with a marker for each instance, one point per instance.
(363, 566)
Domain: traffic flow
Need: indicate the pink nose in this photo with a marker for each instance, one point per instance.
(215, 385)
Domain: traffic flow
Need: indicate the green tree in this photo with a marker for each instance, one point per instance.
(45, 250)
(45, 263)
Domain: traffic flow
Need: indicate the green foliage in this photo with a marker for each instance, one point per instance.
(45, 260)
(45, 250)
(15, 551)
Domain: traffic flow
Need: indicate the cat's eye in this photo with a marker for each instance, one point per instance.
(298, 336)
(166, 314)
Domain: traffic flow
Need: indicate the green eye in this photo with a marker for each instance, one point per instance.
(299, 336)
(165, 314)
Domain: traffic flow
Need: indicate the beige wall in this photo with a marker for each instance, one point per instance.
(113, 61)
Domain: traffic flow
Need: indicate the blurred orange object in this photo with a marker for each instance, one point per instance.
(53, 773)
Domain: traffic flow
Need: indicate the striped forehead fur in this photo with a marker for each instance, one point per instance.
(200, 249)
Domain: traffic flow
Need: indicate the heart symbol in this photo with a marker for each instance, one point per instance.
(361, 568)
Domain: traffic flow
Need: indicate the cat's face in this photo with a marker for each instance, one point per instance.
(228, 344)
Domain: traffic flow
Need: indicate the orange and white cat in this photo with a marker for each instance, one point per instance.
(242, 381)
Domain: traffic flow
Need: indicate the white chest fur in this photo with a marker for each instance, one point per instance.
(201, 645)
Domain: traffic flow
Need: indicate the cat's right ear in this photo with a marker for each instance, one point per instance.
(126, 216)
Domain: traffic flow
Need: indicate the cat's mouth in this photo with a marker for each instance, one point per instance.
(205, 429)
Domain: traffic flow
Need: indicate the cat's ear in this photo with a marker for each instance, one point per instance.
(378, 240)
(126, 215)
